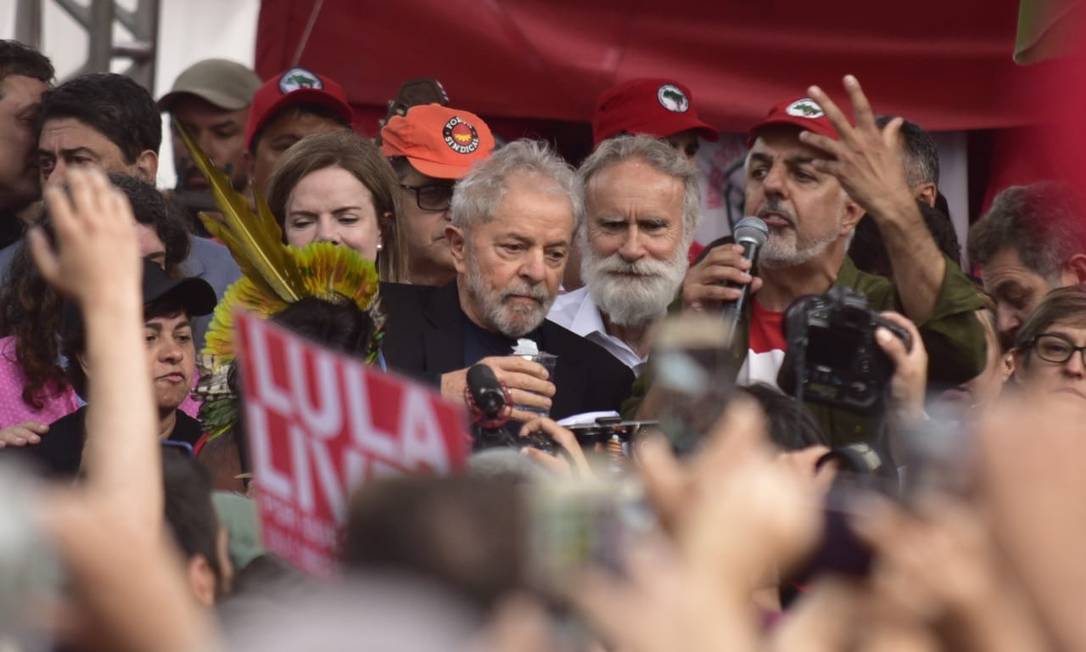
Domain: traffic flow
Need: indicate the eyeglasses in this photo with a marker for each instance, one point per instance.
(1056, 348)
(433, 196)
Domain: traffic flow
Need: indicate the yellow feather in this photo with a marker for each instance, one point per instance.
(243, 294)
(254, 238)
(327, 271)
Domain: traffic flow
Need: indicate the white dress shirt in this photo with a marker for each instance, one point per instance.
(576, 311)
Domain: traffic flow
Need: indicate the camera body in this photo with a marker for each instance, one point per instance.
(506, 436)
(608, 429)
(832, 356)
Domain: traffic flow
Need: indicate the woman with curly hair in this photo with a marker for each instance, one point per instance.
(34, 385)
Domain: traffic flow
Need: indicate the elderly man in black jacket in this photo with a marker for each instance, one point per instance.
(513, 220)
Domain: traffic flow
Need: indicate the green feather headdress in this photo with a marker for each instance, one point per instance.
(274, 276)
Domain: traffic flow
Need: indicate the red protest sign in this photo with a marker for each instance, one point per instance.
(320, 424)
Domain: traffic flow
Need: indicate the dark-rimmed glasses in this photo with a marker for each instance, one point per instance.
(432, 196)
(1055, 348)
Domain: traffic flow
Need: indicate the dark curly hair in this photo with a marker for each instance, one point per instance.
(111, 104)
(31, 310)
(151, 208)
(20, 59)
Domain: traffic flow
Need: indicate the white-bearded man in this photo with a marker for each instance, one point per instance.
(641, 207)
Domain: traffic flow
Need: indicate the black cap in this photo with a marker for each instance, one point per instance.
(194, 295)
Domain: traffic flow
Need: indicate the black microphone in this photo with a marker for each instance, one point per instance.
(750, 233)
(488, 399)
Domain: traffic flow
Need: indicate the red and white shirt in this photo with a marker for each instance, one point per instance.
(766, 344)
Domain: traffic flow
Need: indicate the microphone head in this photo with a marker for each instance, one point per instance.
(481, 376)
(485, 391)
(751, 229)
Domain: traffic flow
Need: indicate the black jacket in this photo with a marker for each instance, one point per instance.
(424, 338)
(60, 453)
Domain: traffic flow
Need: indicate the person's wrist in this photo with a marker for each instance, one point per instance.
(910, 412)
(111, 304)
(114, 292)
(895, 209)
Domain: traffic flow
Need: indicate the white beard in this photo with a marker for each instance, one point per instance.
(633, 294)
(783, 250)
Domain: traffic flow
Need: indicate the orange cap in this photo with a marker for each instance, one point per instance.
(438, 141)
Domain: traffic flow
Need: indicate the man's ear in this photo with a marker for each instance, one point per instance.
(853, 214)
(455, 237)
(1074, 270)
(147, 166)
(201, 580)
(1016, 360)
(1007, 365)
(926, 192)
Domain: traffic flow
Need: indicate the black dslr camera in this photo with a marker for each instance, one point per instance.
(505, 436)
(832, 356)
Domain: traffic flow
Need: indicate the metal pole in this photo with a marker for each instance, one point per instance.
(100, 31)
(145, 31)
(28, 22)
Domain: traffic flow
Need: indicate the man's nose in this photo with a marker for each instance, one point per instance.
(533, 267)
(633, 247)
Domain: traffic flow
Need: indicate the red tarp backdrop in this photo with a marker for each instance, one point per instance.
(944, 63)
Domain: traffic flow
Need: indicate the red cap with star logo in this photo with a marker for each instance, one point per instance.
(802, 112)
(656, 107)
(438, 141)
(295, 87)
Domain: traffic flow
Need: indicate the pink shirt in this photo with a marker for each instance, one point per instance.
(57, 402)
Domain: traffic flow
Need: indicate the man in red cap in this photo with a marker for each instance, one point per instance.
(658, 107)
(663, 108)
(810, 175)
(286, 109)
(430, 148)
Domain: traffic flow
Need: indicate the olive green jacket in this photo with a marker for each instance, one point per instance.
(953, 336)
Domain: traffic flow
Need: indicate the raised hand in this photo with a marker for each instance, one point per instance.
(97, 249)
(866, 160)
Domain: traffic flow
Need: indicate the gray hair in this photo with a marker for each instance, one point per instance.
(659, 155)
(1040, 221)
(478, 194)
(921, 154)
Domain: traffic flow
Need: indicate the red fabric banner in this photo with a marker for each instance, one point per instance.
(319, 425)
(945, 65)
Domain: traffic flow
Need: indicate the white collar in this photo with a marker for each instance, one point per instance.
(588, 318)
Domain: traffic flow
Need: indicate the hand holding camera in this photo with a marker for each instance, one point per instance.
(554, 447)
(833, 355)
(909, 381)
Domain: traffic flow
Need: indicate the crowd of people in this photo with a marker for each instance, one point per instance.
(834, 438)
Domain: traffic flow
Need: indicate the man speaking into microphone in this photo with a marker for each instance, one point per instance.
(811, 174)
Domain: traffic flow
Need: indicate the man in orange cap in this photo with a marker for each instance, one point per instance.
(430, 148)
